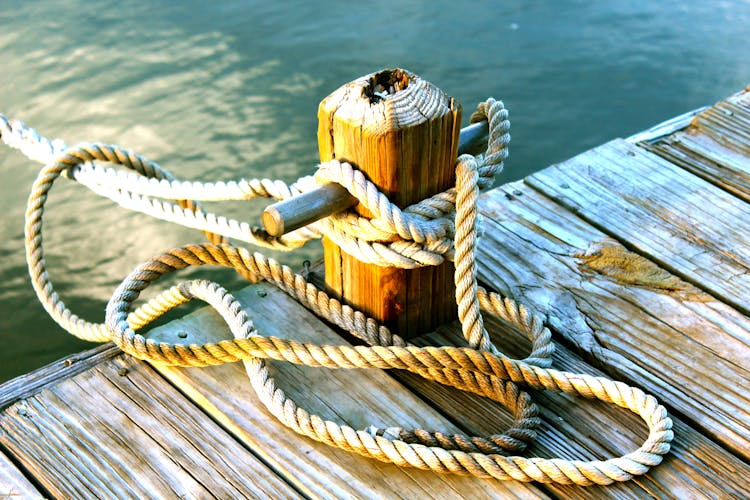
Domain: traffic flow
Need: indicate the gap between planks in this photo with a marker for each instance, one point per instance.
(13, 482)
(119, 430)
(686, 225)
(716, 146)
(356, 397)
(629, 317)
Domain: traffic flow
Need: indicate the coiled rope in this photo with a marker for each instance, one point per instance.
(444, 226)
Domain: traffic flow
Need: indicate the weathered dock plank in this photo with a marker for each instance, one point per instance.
(31, 383)
(716, 146)
(640, 323)
(119, 430)
(13, 484)
(357, 397)
(682, 222)
(640, 266)
(574, 429)
(624, 312)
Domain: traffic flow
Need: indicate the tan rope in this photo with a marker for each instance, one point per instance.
(423, 229)
(419, 235)
(480, 372)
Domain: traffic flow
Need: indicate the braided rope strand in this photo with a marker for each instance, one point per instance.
(420, 235)
(448, 365)
(443, 226)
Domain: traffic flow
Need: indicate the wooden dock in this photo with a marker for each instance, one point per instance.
(638, 253)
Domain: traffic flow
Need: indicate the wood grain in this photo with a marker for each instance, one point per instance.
(686, 225)
(29, 384)
(406, 144)
(13, 484)
(578, 429)
(629, 317)
(716, 146)
(119, 430)
(357, 397)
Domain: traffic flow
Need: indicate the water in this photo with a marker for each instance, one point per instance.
(220, 90)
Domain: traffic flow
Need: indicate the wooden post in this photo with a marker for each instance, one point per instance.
(293, 213)
(402, 132)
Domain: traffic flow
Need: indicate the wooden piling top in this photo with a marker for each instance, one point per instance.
(402, 132)
(636, 251)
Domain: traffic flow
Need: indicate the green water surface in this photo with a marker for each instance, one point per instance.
(228, 89)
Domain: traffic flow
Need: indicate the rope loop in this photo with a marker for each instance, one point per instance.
(481, 372)
(426, 233)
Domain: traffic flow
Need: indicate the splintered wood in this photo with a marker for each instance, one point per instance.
(716, 146)
(405, 142)
(637, 255)
(119, 431)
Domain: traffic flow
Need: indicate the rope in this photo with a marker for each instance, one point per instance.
(420, 235)
(444, 226)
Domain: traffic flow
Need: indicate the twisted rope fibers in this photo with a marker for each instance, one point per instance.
(423, 234)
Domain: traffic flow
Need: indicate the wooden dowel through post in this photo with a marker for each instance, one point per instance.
(293, 213)
(403, 133)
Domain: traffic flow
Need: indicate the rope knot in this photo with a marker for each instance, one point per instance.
(422, 234)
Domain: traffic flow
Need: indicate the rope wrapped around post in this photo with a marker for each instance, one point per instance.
(432, 234)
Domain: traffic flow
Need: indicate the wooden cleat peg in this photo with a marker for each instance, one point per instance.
(285, 216)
